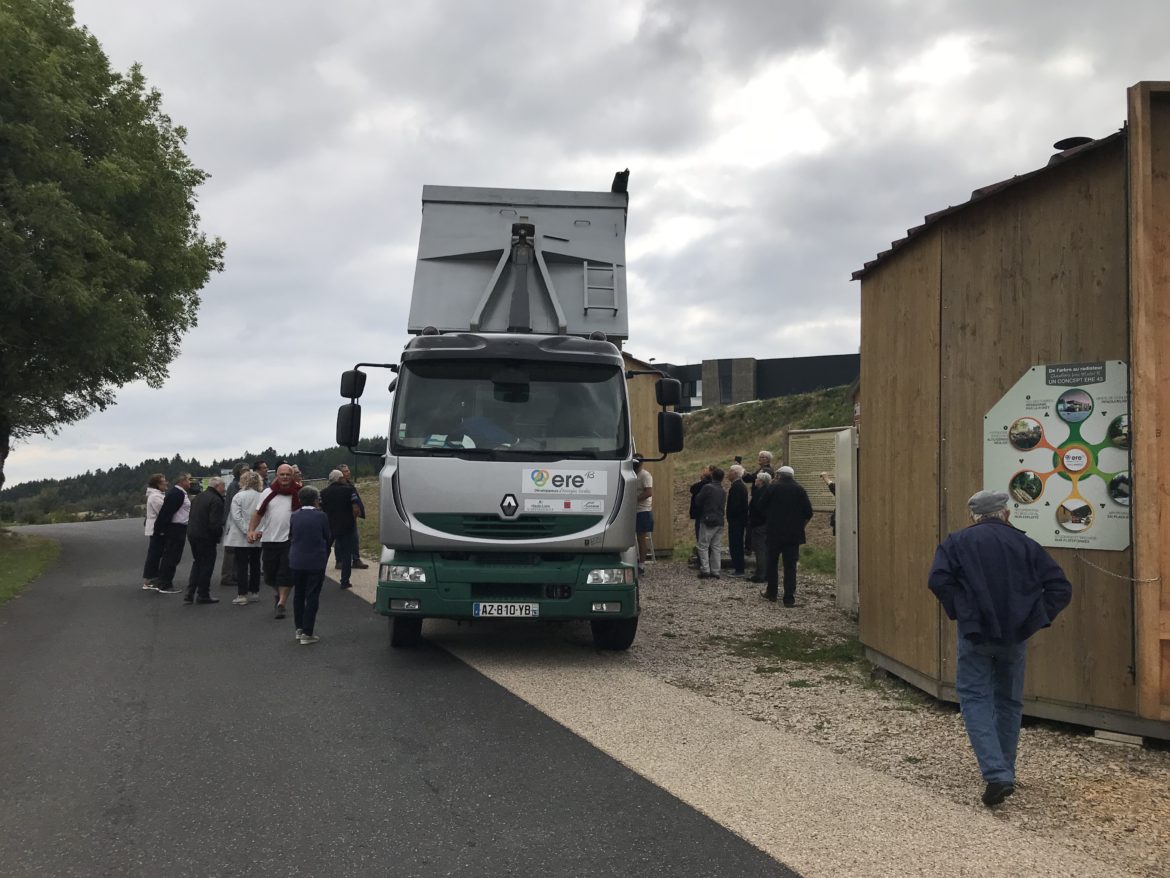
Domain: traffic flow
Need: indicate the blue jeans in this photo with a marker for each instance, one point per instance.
(345, 550)
(989, 679)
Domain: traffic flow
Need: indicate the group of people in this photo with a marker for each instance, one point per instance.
(768, 519)
(995, 582)
(280, 530)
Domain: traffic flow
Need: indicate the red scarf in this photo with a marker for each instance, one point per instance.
(293, 490)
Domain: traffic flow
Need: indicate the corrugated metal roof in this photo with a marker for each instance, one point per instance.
(986, 192)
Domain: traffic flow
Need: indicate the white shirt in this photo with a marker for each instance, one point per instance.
(183, 515)
(645, 480)
(275, 521)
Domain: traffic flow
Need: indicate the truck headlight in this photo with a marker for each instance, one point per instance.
(611, 576)
(401, 573)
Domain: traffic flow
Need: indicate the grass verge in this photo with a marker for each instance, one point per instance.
(369, 528)
(788, 645)
(22, 559)
(818, 559)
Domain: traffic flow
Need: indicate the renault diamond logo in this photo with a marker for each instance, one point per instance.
(508, 505)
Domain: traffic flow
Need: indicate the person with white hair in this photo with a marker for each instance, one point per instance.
(758, 524)
(342, 507)
(1001, 587)
(247, 551)
(737, 518)
(203, 533)
(309, 539)
(789, 510)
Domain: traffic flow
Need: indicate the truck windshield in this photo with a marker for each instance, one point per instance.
(534, 408)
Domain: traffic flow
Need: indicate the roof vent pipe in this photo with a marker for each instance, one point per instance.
(1071, 143)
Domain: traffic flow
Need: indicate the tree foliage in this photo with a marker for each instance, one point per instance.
(101, 256)
(119, 491)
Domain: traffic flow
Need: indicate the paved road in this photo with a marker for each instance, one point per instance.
(142, 736)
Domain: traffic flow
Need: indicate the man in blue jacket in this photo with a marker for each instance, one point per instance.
(1001, 587)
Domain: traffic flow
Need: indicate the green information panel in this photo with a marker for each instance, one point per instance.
(1058, 443)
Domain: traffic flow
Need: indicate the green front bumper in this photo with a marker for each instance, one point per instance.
(556, 583)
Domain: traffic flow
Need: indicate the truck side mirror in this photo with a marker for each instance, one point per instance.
(349, 424)
(353, 383)
(670, 432)
(668, 391)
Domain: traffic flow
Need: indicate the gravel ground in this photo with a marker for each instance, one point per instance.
(1110, 801)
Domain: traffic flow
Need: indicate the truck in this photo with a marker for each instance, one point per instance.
(508, 488)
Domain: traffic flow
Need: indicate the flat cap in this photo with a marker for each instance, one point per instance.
(987, 502)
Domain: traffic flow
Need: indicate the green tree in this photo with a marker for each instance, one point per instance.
(101, 256)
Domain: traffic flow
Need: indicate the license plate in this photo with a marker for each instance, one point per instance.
(506, 611)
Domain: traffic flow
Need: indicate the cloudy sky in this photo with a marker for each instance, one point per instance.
(773, 148)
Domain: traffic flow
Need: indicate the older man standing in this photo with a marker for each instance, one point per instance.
(737, 518)
(342, 507)
(171, 525)
(788, 511)
(357, 563)
(269, 525)
(204, 532)
(1001, 587)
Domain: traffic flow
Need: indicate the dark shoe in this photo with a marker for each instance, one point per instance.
(996, 793)
(188, 598)
(207, 600)
(279, 611)
(346, 584)
(768, 597)
(641, 570)
(758, 580)
(359, 565)
(167, 589)
(789, 601)
(703, 575)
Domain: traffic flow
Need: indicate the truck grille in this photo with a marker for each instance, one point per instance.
(523, 591)
(492, 527)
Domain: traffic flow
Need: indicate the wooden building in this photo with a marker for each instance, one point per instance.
(1067, 264)
(644, 411)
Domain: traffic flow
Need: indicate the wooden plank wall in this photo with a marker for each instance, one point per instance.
(1149, 197)
(644, 410)
(1034, 275)
(898, 479)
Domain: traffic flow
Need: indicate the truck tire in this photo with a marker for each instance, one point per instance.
(615, 634)
(405, 631)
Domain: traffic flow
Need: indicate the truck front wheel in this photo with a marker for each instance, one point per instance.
(405, 631)
(614, 633)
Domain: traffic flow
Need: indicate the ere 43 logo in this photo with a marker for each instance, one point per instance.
(543, 478)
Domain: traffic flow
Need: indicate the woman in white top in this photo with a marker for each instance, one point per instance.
(247, 554)
(155, 492)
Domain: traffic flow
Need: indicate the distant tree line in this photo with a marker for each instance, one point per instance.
(119, 492)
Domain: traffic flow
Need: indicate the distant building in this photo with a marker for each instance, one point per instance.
(725, 382)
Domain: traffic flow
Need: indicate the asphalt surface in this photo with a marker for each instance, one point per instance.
(143, 736)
